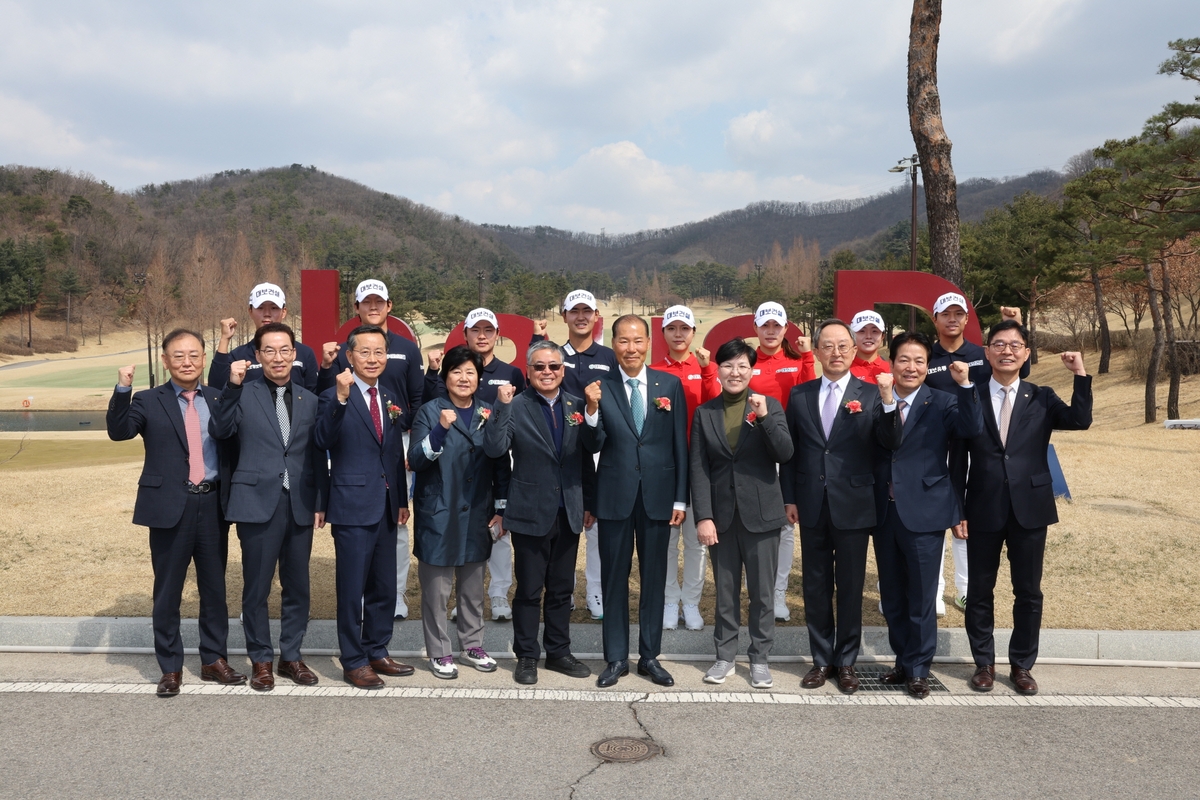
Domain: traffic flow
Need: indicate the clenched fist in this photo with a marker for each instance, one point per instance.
(539, 327)
(758, 404)
(344, 381)
(125, 375)
(237, 372)
(804, 343)
(885, 381)
(228, 326)
(960, 372)
(1008, 312)
(591, 393)
(435, 359)
(329, 352)
(447, 417)
(504, 394)
(1074, 362)
(702, 356)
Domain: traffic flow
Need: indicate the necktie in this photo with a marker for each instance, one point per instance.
(902, 406)
(1005, 416)
(637, 406)
(829, 410)
(191, 425)
(373, 391)
(285, 426)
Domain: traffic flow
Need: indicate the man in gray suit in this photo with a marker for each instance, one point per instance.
(543, 427)
(276, 497)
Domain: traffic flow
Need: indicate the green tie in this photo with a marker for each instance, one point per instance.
(636, 405)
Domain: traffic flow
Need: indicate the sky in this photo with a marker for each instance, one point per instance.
(613, 116)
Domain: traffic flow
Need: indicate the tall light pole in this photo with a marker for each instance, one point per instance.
(479, 275)
(139, 278)
(910, 165)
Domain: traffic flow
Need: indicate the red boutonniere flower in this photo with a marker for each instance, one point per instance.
(751, 418)
(484, 413)
(662, 403)
(393, 411)
(575, 419)
(854, 407)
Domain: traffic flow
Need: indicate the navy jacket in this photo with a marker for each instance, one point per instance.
(403, 378)
(304, 369)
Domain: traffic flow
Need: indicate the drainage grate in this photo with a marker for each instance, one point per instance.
(870, 681)
(625, 749)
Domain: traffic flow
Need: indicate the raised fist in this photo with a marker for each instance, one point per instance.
(804, 343)
(539, 327)
(435, 359)
(228, 326)
(1074, 362)
(758, 404)
(344, 381)
(591, 393)
(702, 356)
(960, 372)
(237, 372)
(125, 375)
(504, 394)
(329, 352)
(1008, 312)
(885, 381)
(447, 417)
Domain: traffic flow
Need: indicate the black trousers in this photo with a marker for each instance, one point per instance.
(544, 565)
(197, 538)
(287, 542)
(833, 559)
(909, 562)
(618, 538)
(1026, 550)
(365, 576)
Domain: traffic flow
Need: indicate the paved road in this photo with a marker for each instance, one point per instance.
(515, 743)
(23, 364)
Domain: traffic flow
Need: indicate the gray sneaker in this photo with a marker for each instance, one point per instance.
(760, 676)
(718, 672)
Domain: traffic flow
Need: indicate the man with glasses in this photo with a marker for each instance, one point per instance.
(267, 306)
(541, 428)
(276, 497)
(1010, 499)
(836, 424)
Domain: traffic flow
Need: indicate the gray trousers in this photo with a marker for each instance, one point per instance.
(758, 553)
(435, 595)
(287, 542)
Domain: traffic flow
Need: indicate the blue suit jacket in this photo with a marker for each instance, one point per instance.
(361, 470)
(656, 461)
(917, 470)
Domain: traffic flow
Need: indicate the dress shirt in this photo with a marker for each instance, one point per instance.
(997, 390)
(208, 444)
(363, 386)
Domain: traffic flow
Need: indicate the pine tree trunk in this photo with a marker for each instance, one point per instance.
(1102, 318)
(933, 146)
(1156, 353)
(1172, 350)
(1032, 324)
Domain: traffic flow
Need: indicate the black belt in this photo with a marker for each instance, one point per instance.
(202, 488)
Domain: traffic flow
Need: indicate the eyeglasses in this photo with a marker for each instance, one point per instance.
(731, 368)
(1000, 347)
(271, 352)
(369, 354)
(841, 349)
(182, 358)
(545, 367)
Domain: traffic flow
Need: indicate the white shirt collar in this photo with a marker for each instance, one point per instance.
(907, 398)
(841, 383)
(996, 387)
(362, 385)
(641, 376)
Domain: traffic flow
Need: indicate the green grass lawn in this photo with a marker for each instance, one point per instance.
(71, 378)
(55, 453)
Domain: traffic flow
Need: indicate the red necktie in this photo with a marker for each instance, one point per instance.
(191, 424)
(375, 413)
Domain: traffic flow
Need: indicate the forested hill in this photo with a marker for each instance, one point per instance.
(735, 237)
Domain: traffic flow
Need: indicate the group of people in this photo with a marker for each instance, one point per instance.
(498, 471)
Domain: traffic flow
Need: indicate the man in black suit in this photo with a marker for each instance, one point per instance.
(641, 491)
(836, 423)
(358, 422)
(1010, 499)
(544, 514)
(916, 503)
(182, 478)
(276, 497)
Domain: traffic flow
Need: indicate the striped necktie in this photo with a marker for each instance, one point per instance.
(285, 426)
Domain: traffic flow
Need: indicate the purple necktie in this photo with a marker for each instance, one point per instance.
(829, 410)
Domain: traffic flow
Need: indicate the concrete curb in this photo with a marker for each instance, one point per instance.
(134, 635)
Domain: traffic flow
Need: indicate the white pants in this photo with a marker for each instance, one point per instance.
(500, 567)
(694, 557)
(787, 551)
(958, 550)
(591, 563)
(402, 545)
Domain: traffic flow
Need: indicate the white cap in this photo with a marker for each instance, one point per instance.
(580, 296)
(679, 314)
(769, 311)
(368, 288)
(266, 292)
(481, 315)
(864, 318)
(949, 299)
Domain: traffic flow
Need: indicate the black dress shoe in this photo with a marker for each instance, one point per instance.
(526, 672)
(649, 667)
(815, 677)
(917, 687)
(568, 665)
(984, 678)
(614, 670)
(893, 677)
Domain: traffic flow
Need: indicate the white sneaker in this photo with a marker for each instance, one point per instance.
(692, 618)
(454, 613)
(479, 657)
(595, 605)
(572, 602)
(760, 676)
(401, 608)
(880, 606)
(671, 616)
(781, 608)
(500, 609)
(444, 667)
(941, 606)
(718, 672)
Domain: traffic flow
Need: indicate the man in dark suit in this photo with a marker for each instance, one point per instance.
(915, 504)
(182, 478)
(641, 491)
(276, 497)
(542, 428)
(358, 422)
(1010, 499)
(403, 380)
(836, 423)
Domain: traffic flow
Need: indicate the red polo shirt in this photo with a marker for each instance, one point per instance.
(867, 370)
(776, 375)
(700, 384)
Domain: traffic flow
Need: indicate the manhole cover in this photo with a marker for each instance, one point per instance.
(625, 749)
